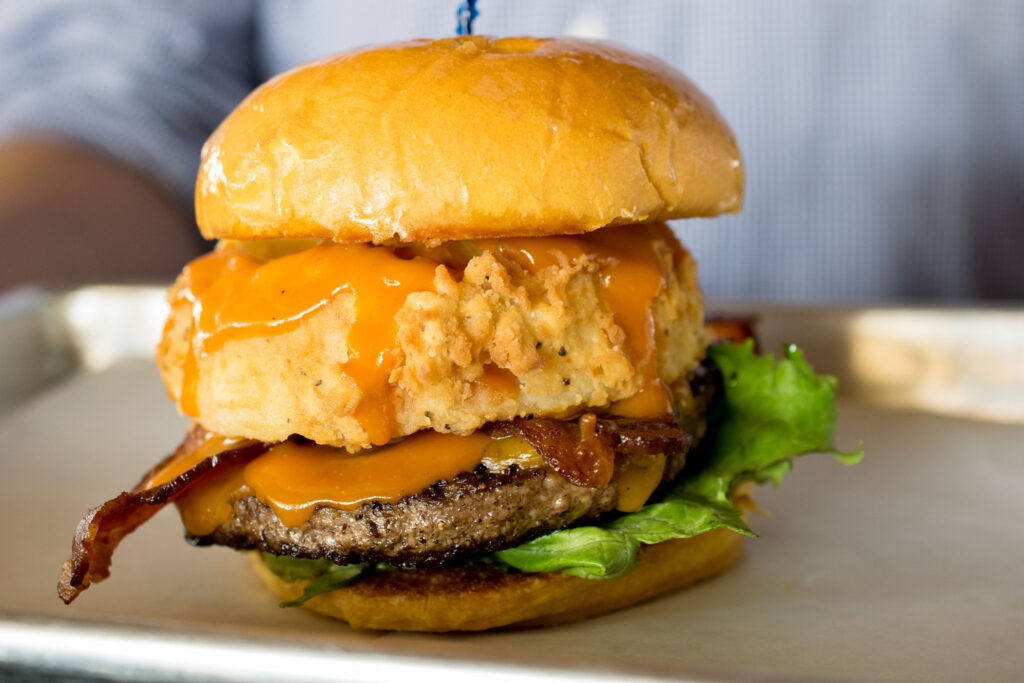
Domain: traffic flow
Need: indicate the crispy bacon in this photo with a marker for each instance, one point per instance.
(584, 452)
(103, 527)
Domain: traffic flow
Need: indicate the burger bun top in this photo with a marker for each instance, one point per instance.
(464, 138)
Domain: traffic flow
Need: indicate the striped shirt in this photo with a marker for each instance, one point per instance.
(883, 139)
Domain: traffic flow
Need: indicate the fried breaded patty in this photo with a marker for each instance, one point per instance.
(549, 336)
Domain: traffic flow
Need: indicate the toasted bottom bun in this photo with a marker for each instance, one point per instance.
(479, 598)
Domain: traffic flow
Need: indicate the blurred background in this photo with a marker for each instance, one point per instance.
(883, 139)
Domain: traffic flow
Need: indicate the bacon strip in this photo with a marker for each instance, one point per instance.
(103, 527)
(584, 452)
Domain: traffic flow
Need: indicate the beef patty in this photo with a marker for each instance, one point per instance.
(482, 510)
(474, 511)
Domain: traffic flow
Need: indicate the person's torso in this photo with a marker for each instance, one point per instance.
(883, 141)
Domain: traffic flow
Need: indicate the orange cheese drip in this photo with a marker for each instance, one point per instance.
(210, 446)
(631, 278)
(209, 503)
(293, 479)
(499, 381)
(234, 296)
(196, 279)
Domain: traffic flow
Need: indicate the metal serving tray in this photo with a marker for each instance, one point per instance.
(905, 567)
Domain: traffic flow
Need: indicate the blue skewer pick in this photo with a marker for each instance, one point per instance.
(466, 13)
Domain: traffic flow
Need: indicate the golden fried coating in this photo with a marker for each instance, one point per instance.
(497, 343)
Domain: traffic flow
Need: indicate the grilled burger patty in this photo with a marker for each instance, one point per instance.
(475, 511)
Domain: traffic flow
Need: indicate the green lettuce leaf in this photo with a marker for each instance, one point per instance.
(589, 552)
(771, 410)
(324, 574)
(679, 517)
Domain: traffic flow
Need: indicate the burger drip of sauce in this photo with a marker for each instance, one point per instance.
(234, 296)
(296, 478)
(631, 277)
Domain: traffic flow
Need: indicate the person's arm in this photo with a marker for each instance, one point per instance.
(104, 109)
(71, 214)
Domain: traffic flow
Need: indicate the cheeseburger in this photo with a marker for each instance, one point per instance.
(447, 367)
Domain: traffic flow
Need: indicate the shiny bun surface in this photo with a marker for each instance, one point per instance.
(467, 138)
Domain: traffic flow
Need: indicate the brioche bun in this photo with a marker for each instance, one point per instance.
(479, 598)
(465, 138)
